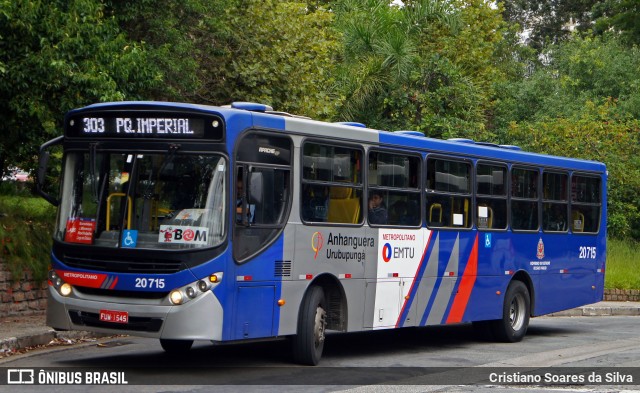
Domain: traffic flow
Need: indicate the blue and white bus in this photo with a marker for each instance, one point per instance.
(186, 222)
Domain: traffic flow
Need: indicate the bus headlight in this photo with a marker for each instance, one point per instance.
(192, 290)
(65, 289)
(176, 297)
(191, 293)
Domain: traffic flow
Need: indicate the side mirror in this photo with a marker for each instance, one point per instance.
(43, 164)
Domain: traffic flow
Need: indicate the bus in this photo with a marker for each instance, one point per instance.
(186, 222)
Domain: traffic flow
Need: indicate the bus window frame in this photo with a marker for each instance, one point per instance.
(302, 182)
(599, 204)
(507, 188)
(470, 195)
(566, 201)
(286, 214)
(417, 190)
(537, 169)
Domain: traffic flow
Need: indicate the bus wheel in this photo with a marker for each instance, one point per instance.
(309, 342)
(176, 346)
(515, 314)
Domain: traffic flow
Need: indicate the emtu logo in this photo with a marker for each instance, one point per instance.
(386, 252)
(316, 243)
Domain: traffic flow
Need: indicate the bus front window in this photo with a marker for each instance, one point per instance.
(156, 200)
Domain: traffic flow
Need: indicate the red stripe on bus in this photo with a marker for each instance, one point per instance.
(466, 286)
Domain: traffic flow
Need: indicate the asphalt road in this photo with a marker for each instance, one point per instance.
(415, 360)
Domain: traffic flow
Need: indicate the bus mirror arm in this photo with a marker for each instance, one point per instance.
(43, 163)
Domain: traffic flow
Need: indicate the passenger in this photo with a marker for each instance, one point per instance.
(377, 209)
(240, 196)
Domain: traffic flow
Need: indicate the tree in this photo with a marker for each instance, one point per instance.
(280, 53)
(598, 132)
(381, 52)
(55, 56)
(576, 71)
(178, 38)
(429, 65)
(583, 102)
(623, 16)
(549, 21)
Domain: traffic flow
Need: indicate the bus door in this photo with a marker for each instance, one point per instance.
(262, 202)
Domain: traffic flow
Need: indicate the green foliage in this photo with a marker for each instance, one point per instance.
(58, 55)
(622, 267)
(577, 71)
(176, 38)
(279, 53)
(26, 225)
(598, 133)
(583, 102)
(427, 66)
(546, 21)
(622, 16)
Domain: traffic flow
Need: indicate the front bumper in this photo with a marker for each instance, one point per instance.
(199, 319)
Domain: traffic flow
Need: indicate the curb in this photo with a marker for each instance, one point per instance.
(16, 343)
(598, 312)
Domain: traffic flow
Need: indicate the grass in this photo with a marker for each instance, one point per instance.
(26, 225)
(623, 265)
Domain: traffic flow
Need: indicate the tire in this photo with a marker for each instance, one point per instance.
(515, 314)
(308, 343)
(176, 346)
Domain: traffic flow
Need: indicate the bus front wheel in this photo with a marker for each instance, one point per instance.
(308, 343)
(515, 314)
(176, 346)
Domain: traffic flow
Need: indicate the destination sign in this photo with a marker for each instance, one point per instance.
(142, 125)
(145, 125)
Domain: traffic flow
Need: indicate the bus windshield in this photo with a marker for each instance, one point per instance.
(159, 200)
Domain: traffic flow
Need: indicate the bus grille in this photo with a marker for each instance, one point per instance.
(149, 266)
(282, 269)
(120, 293)
(138, 324)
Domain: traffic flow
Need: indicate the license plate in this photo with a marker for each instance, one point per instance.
(114, 316)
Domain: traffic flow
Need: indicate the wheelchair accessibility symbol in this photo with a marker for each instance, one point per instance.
(487, 240)
(129, 238)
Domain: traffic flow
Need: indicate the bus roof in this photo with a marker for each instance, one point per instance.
(356, 132)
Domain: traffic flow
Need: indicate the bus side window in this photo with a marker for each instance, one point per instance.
(448, 193)
(524, 199)
(394, 190)
(491, 200)
(586, 204)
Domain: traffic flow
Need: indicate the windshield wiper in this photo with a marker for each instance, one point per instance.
(173, 148)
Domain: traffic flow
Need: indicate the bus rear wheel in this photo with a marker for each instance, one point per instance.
(308, 343)
(176, 346)
(515, 314)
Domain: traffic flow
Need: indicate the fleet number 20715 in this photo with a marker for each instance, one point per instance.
(142, 282)
(587, 253)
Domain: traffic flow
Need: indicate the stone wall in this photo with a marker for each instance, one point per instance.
(622, 295)
(22, 297)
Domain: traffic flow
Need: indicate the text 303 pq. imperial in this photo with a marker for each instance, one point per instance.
(186, 222)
